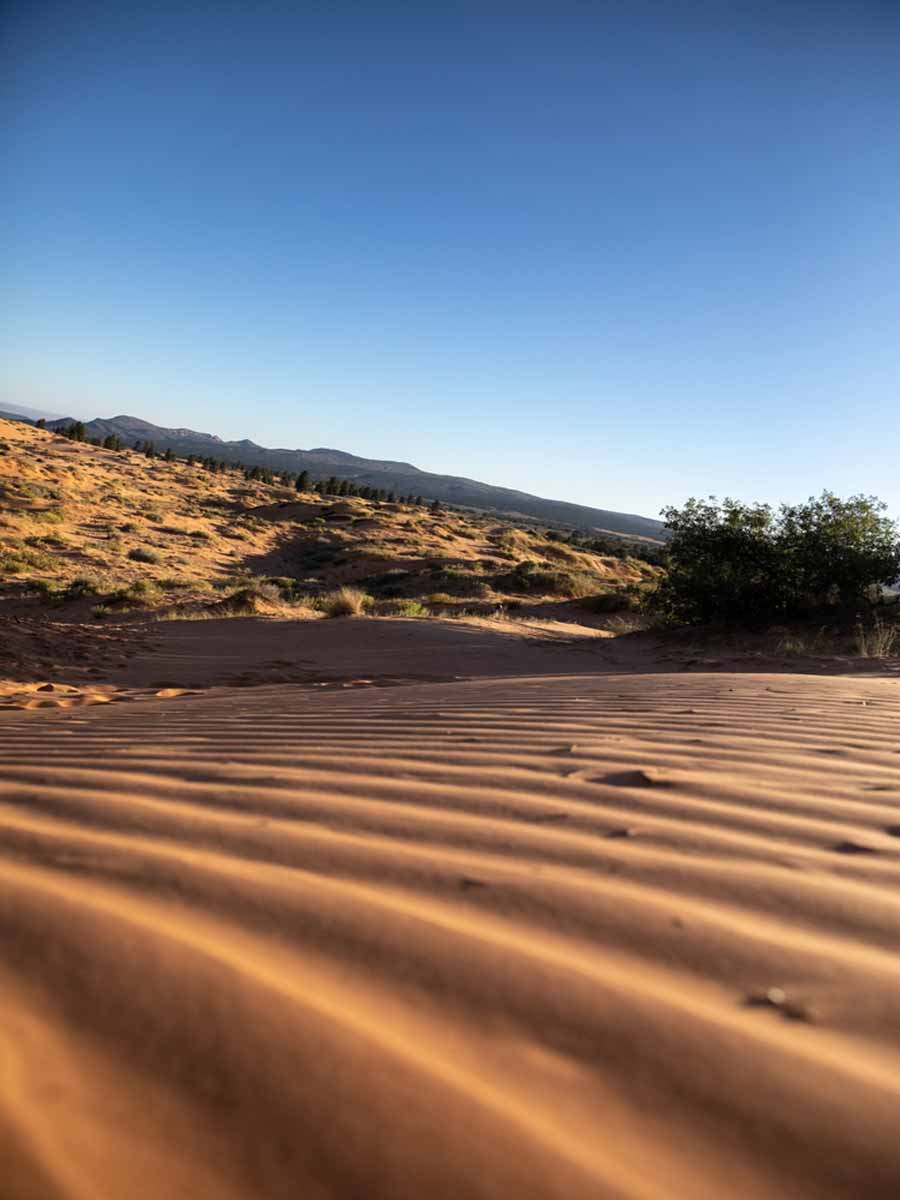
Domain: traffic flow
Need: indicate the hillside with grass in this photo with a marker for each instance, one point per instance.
(114, 531)
(379, 474)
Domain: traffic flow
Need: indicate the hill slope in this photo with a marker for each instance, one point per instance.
(75, 516)
(392, 476)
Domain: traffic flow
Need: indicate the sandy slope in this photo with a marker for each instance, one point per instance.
(249, 651)
(565, 937)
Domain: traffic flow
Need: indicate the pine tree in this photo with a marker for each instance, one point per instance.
(303, 481)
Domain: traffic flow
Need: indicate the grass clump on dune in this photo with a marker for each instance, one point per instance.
(254, 597)
(346, 602)
(879, 640)
(273, 597)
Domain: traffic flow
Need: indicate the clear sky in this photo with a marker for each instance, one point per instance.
(611, 251)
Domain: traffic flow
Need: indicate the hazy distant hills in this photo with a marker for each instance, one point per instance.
(399, 477)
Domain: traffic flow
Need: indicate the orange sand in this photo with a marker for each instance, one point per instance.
(572, 936)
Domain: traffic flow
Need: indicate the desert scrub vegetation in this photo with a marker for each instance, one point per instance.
(404, 608)
(746, 563)
(819, 641)
(630, 598)
(142, 554)
(621, 624)
(62, 593)
(140, 594)
(47, 539)
(253, 597)
(48, 516)
(545, 579)
(345, 602)
(18, 560)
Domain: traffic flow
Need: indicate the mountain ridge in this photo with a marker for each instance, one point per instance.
(389, 474)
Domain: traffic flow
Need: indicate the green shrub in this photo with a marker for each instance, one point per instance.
(142, 587)
(625, 599)
(745, 563)
(139, 594)
(81, 587)
(838, 551)
(46, 592)
(409, 608)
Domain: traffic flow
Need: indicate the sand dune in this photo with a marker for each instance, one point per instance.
(632, 936)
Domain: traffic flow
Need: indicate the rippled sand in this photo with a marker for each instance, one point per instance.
(564, 937)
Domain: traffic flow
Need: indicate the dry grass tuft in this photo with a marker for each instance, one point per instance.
(346, 602)
(878, 640)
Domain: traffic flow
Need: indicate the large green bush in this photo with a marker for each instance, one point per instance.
(838, 550)
(747, 563)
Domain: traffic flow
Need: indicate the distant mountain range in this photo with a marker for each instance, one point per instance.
(398, 477)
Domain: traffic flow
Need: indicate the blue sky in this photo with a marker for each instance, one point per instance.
(615, 253)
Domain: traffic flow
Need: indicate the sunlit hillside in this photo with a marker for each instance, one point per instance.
(127, 531)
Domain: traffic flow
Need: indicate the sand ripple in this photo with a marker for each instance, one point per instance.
(565, 937)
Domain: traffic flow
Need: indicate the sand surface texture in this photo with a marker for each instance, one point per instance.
(573, 936)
